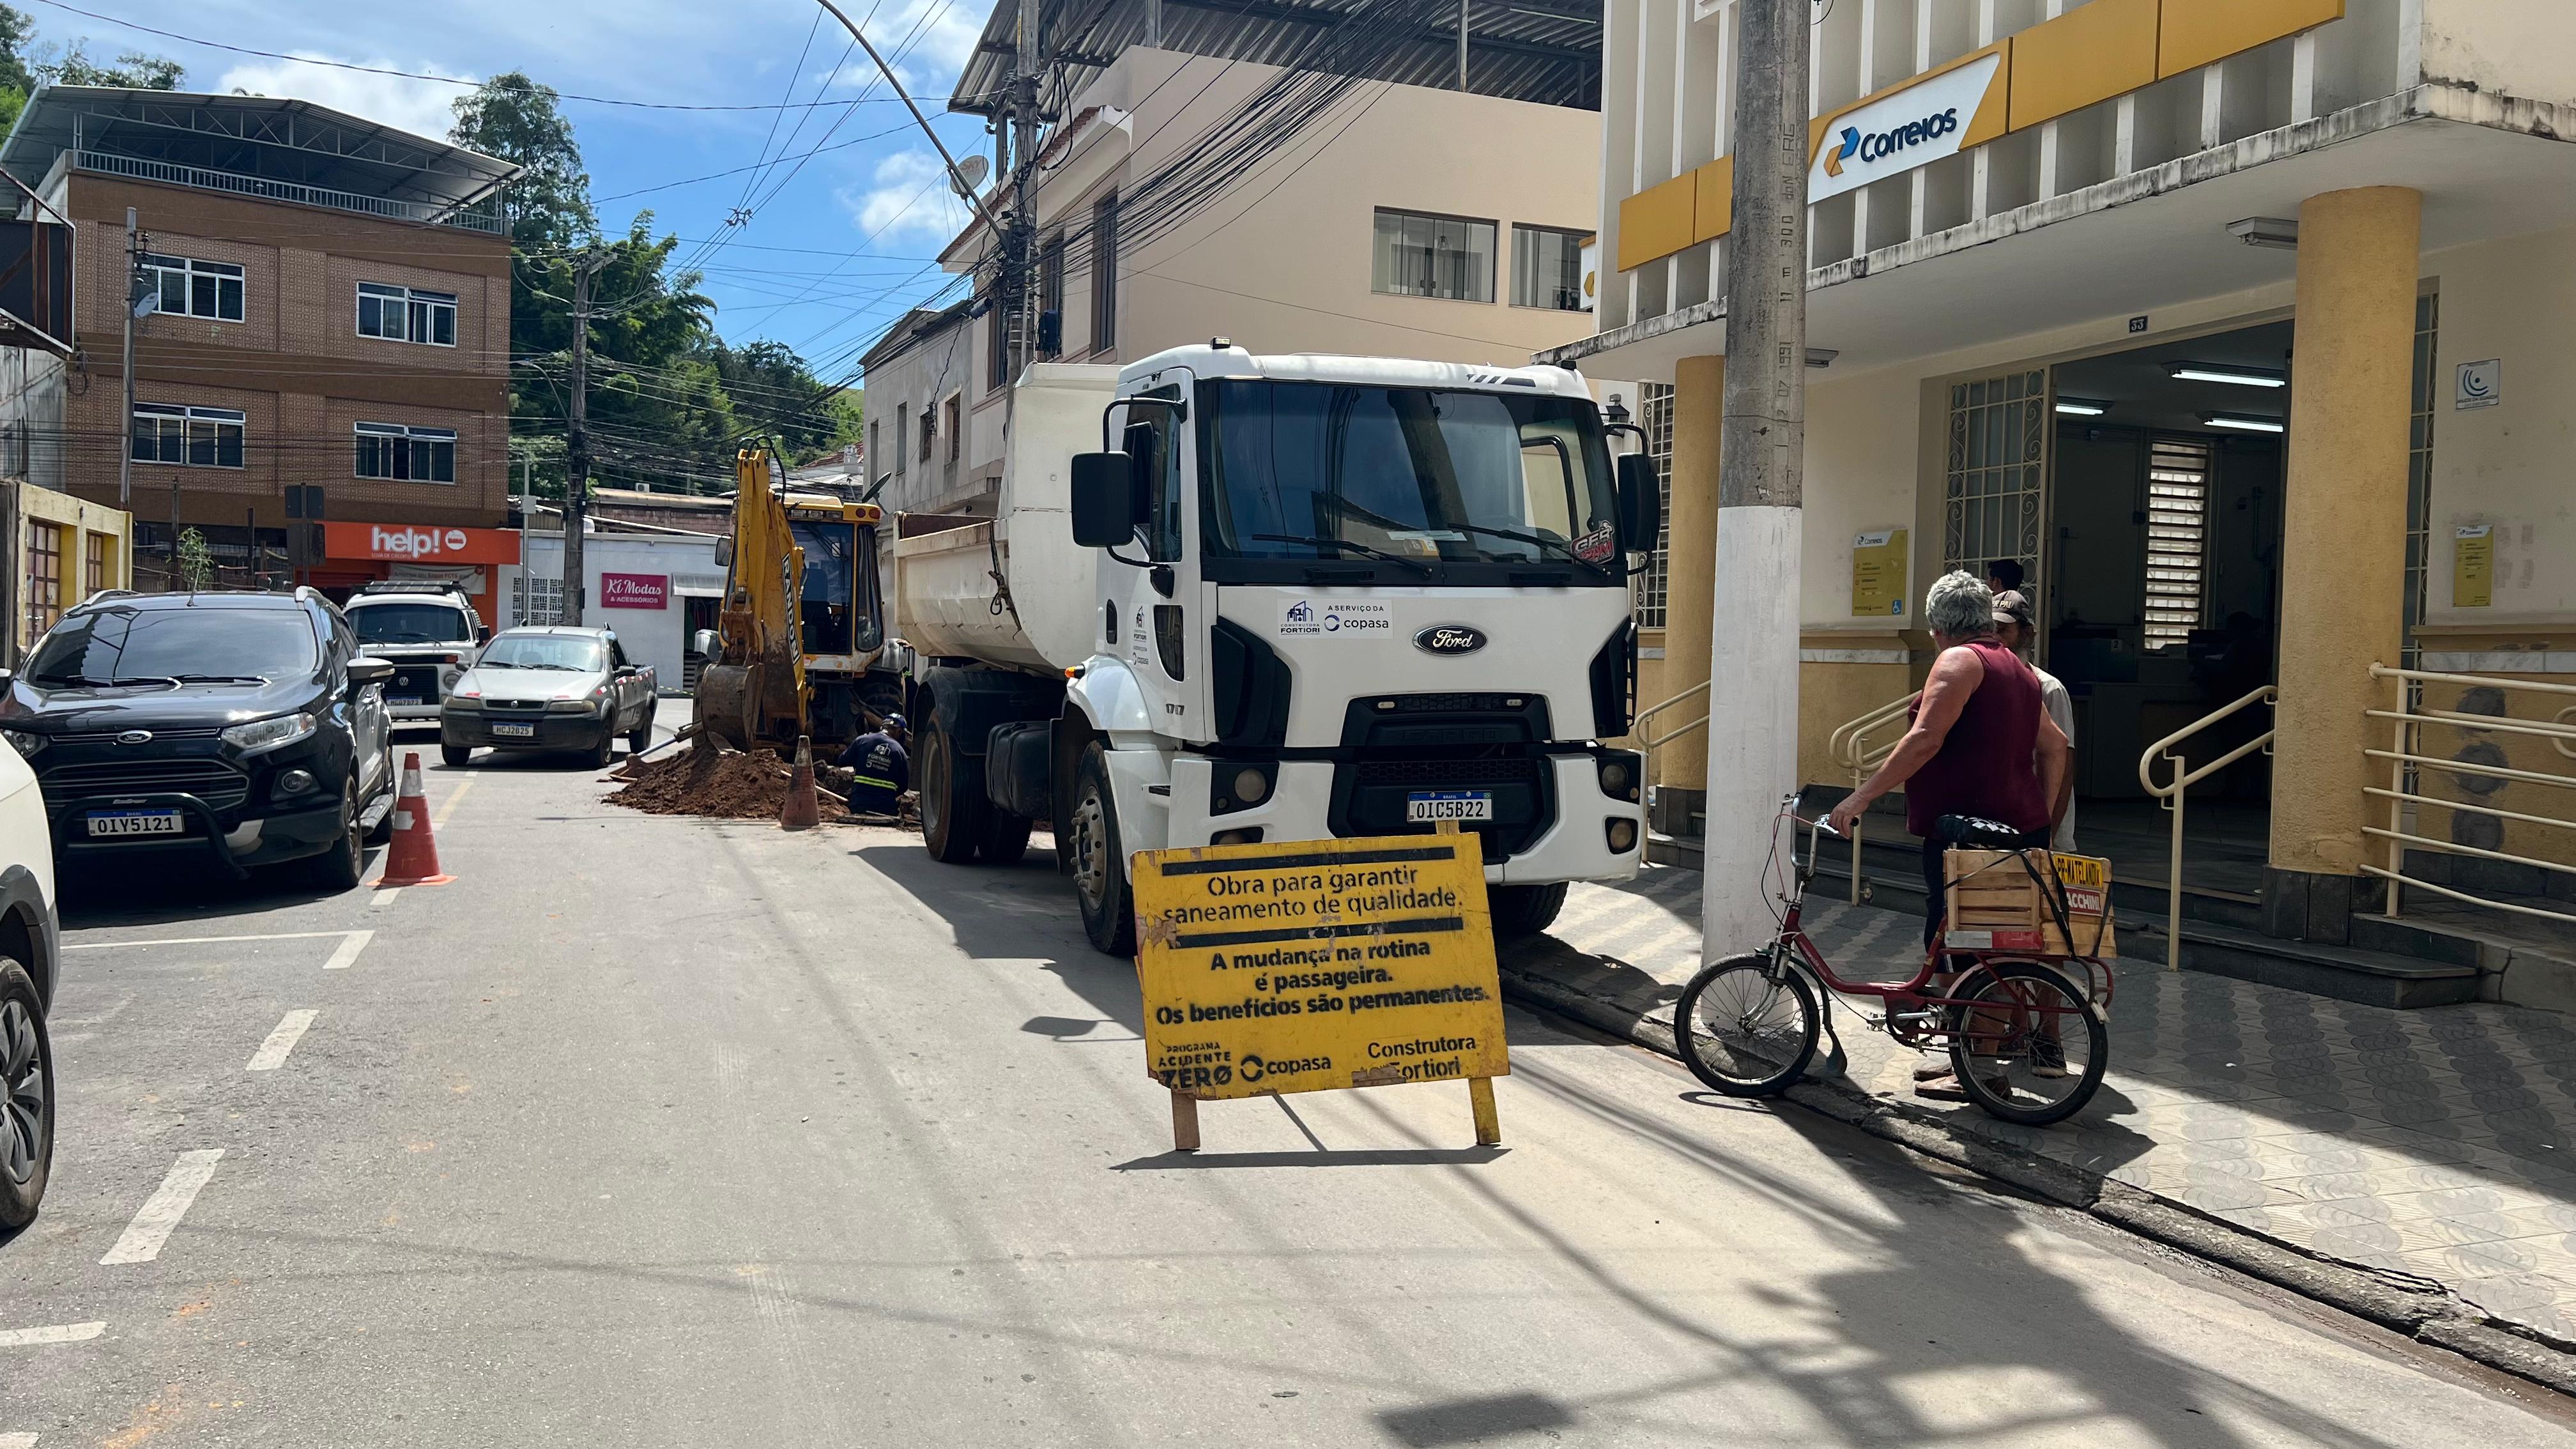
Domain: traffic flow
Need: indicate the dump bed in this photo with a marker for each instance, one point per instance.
(947, 601)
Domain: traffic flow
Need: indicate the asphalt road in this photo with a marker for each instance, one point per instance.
(661, 1132)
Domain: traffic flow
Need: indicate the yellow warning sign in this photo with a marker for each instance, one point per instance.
(1298, 966)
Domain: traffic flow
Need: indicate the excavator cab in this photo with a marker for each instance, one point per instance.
(802, 619)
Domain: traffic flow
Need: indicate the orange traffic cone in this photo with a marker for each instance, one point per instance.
(413, 860)
(802, 809)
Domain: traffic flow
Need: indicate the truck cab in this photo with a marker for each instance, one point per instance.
(430, 633)
(1326, 597)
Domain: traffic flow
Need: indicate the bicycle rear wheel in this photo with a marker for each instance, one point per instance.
(2033, 1049)
(1743, 1030)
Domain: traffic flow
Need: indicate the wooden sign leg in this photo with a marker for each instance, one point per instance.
(1185, 1122)
(1489, 1123)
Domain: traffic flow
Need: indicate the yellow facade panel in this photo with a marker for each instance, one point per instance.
(2104, 49)
(1716, 207)
(2197, 32)
(1657, 222)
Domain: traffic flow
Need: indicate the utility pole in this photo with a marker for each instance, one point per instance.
(577, 436)
(134, 277)
(1753, 733)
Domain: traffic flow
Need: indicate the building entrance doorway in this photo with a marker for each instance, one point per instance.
(2160, 581)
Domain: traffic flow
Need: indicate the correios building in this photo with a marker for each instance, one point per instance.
(2241, 327)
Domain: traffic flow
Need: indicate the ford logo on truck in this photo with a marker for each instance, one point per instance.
(1449, 639)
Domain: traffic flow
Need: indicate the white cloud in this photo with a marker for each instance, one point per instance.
(909, 197)
(419, 106)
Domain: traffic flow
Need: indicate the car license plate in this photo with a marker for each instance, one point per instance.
(108, 823)
(1437, 805)
(514, 731)
(403, 699)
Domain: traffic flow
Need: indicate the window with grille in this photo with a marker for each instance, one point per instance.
(535, 599)
(2419, 469)
(187, 287)
(1996, 478)
(95, 567)
(191, 437)
(2177, 540)
(418, 455)
(44, 577)
(1655, 415)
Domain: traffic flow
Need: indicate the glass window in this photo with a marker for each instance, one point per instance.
(1547, 268)
(419, 455)
(192, 437)
(95, 574)
(1433, 256)
(409, 624)
(44, 576)
(1308, 471)
(187, 287)
(1158, 463)
(406, 314)
(117, 646)
(1104, 274)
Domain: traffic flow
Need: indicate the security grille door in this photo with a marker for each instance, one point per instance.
(2177, 540)
(1997, 485)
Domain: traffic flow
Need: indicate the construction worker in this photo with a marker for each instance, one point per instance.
(880, 770)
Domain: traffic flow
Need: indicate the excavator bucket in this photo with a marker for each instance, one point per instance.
(724, 703)
(754, 704)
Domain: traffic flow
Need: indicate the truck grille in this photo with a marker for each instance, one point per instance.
(220, 785)
(416, 681)
(1448, 774)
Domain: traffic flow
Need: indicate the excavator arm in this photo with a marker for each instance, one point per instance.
(754, 690)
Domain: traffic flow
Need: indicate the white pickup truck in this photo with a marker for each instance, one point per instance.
(1230, 598)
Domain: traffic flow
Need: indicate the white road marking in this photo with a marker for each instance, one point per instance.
(17, 1441)
(447, 806)
(347, 955)
(161, 1212)
(203, 940)
(384, 895)
(56, 1333)
(272, 1052)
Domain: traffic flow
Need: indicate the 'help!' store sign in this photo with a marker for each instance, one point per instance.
(420, 543)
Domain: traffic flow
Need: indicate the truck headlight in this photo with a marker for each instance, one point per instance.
(26, 742)
(447, 677)
(268, 734)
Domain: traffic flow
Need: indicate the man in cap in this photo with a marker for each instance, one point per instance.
(2017, 625)
(880, 770)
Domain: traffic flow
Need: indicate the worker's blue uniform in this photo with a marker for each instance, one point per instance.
(879, 771)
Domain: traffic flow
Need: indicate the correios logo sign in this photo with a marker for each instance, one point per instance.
(1934, 118)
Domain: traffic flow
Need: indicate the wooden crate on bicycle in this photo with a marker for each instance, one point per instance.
(1995, 904)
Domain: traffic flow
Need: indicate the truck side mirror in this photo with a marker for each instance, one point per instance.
(1104, 499)
(724, 552)
(1641, 503)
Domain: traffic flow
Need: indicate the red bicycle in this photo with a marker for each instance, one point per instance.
(2026, 1041)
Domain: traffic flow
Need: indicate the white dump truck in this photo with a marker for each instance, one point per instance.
(1228, 598)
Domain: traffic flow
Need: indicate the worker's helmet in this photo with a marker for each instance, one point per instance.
(896, 722)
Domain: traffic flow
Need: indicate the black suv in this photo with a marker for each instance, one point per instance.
(241, 726)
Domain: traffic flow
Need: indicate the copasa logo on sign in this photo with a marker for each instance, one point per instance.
(1916, 126)
(400, 542)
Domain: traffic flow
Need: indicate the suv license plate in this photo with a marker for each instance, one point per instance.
(106, 823)
(1436, 805)
(514, 731)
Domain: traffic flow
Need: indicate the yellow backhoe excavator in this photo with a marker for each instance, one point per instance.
(802, 619)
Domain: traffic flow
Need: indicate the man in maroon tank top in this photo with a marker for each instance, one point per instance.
(1979, 744)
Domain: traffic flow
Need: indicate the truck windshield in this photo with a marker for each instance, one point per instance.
(409, 624)
(1310, 471)
(839, 591)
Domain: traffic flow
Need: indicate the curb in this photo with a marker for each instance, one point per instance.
(2418, 1308)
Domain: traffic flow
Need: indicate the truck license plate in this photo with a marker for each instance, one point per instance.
(1437, 805)
(107, 823)
(514, 731)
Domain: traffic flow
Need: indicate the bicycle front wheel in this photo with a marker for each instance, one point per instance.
(1744, 1030)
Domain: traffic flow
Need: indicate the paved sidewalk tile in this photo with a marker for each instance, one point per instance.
(2439, 1142)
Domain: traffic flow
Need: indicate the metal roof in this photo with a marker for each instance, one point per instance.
(1547, 51)
(287, 149)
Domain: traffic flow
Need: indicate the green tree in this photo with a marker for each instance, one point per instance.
(774, 393)
(517, 120)
(16, 29)
(133, 70)
(196, 561)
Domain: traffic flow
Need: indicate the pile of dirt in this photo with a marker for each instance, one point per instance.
(706, 779)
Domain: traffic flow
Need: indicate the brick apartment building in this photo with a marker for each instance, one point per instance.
(332, 311)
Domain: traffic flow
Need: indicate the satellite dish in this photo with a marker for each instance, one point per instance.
(970, 174)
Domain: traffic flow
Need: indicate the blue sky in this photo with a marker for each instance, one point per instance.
(835, 248)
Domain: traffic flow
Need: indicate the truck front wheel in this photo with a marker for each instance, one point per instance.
(1524, 910)
(1099, 858)
(952, 807)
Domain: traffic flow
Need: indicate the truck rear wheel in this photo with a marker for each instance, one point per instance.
(1100, 858)
(1006, 837)
(952, 803)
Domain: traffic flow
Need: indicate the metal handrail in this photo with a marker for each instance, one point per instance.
(2406, 753)
(2173, 792)
(1647, 744)
(1850, 749)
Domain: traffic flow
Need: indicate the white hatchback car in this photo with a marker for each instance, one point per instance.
(30, 948)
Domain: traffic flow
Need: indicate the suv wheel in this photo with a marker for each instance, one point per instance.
(344, 861)
(26, 1098)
